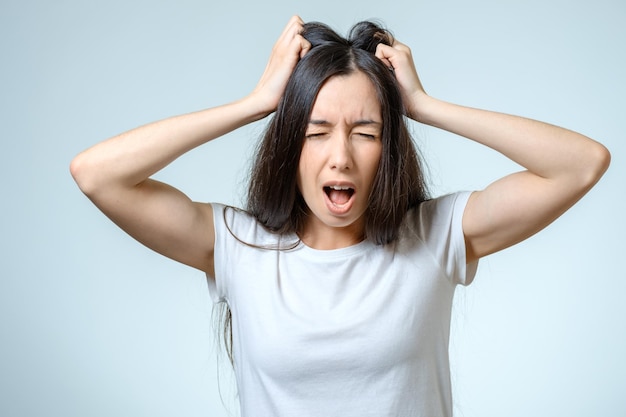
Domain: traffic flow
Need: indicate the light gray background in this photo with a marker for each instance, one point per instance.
(93, 324)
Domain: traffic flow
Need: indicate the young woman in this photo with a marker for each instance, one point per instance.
(339, 276)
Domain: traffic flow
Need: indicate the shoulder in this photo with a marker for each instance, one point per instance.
(234, 215)
(233, 219)
(437, 213)
(437, 226)
(237, 225)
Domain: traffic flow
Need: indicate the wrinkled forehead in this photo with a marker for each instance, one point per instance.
(347, 97)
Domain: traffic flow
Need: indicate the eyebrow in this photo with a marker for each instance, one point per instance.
(364, 122)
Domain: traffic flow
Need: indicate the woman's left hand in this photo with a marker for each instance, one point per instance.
(560, 165)
(399, 59)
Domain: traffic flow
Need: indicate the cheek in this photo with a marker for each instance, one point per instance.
(373, 161)
(305, 167)
(302, 175)
(299, 180)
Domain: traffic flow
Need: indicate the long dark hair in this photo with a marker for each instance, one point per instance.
(273, 196)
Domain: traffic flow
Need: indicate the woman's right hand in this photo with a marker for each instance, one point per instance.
(115, 174)
(287, 51)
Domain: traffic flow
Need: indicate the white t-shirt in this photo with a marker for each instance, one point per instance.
(358, 331)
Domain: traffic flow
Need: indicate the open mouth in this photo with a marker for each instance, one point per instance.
(339, 194)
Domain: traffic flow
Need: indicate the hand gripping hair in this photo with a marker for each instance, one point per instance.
(273, 197)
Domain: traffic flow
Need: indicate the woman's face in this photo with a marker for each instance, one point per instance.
(339, 160)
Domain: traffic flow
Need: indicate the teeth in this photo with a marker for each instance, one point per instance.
(340, 187)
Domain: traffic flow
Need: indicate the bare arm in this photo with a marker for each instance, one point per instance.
(561, 165)
(115, 174)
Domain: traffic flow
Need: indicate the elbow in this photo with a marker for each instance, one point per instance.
(80, 171)
(599, 159)
(602, 160)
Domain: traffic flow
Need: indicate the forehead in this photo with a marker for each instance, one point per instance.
(347, 97)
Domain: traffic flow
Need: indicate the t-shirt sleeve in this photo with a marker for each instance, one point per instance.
(238, 236)
(440, 223)
(217, 288)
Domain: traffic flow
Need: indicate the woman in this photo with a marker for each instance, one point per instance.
(341, 273)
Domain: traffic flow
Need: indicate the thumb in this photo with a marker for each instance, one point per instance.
(385, 53)
(305, 46)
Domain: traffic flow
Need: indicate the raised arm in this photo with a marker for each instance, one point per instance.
(115, 174)
(561, 165)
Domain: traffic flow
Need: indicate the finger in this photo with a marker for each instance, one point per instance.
(291, 30)
(385, 54)
(294, 23)
(292, 37)
(294, 27)
(305, 46)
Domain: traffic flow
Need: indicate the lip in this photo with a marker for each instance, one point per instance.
(339, 209)
(339, 184)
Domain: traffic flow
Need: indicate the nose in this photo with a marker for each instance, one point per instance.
(340, 152)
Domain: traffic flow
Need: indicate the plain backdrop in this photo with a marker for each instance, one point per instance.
(93, 324)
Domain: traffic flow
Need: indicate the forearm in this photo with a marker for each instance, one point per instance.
(545, 150)
(132, 157)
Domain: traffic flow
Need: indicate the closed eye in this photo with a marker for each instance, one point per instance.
(367, 136)
(314, 135)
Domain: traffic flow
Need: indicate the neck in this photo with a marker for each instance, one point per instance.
(320, 236)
